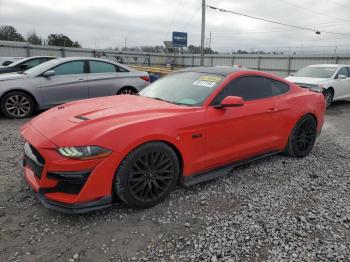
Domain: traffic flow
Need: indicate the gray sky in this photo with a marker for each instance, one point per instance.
(106, 23)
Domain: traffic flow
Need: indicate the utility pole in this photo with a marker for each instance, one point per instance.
(125, 42)
(209, 40)
(203, 33)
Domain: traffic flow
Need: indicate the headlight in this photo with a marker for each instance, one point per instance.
(84, 152)
(318, 88)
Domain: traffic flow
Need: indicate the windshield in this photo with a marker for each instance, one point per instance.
(18, 62)
(41, 68)
(187, 88)
(316, 72)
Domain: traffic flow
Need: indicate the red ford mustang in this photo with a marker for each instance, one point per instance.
(188, 127)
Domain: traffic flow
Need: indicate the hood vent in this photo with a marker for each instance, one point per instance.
(82, 118)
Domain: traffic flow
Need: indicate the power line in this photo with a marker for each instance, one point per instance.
(337, 3)
(173, 19)
(273, 22)
(274, 30)
(195, 13)
(313, 11)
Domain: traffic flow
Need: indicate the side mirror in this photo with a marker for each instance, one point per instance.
(231, 101)
(6, 63)
(23, 67)
(342, 76)
(49, 73)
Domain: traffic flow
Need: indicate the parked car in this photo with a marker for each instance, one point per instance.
(334, 79)
(24, 64)
(63, 80)
(188, 127)
(5, 61)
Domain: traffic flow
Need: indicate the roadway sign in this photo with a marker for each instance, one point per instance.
(179, 39)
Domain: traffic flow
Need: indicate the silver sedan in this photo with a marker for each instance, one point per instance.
(64, 80)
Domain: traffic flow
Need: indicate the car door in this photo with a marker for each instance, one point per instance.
(103, 79)
(68, 84)
(342, 86)
(237, 133)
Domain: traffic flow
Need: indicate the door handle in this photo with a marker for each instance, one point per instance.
(81, 79)
(271, 110)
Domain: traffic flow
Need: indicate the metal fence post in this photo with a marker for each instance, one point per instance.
(337, 60)
(28, 50)
(259, 62)
(192, 61)
(63, 52)
(289, 64)
(233, 60)
(211, 61)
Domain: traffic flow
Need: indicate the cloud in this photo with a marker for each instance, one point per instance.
(101, 24)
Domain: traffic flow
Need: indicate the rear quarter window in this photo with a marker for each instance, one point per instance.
(121, 69)
(278, 87)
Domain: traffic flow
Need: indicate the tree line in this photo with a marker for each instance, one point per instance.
(9, 33)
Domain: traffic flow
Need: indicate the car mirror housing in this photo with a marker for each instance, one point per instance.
(231, 101)
(49, 73)
(342, 76)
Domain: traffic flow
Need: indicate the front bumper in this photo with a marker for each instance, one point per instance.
(69, 208)
(74, 208)
(66, 185)
(78, 208)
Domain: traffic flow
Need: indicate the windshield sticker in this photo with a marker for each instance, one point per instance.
(204, 83)
(214, 79)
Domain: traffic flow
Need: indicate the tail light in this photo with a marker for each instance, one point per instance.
(146, 78)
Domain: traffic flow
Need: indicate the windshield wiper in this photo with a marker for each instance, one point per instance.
(160, 99)
(171, 102)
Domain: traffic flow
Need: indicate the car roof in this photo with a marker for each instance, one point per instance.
(220, 70)
(328, 65)
(39, 56)
(74, 58)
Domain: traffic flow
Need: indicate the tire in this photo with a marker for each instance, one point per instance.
(17, 105)
(127, 91)
(302, 138)
(329, 95)
(139, 182)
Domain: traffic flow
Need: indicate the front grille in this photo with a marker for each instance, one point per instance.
(33, 160)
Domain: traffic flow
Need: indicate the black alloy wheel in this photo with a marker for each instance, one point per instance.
(303, 137)
(147, 175)
(329, 95)
(17, 105)
(127, 91)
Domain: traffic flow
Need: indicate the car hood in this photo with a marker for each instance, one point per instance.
(12, 76)
(306, 80)
(65, 124)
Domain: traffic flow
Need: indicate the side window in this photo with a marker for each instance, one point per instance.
(343, 71)
(101, 67)
(348, 68)
(248, 87)
(278, 87)
(70, 68)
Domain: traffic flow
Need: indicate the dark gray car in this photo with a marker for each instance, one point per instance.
(64, 80)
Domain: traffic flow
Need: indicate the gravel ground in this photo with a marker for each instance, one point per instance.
(276, 209)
